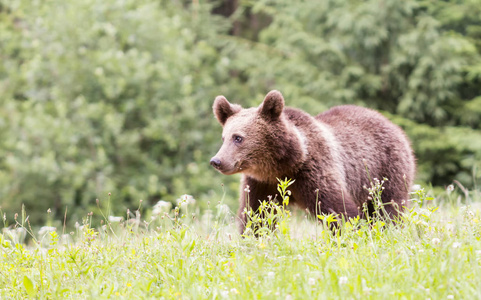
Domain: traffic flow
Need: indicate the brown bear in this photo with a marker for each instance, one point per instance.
(333, 157)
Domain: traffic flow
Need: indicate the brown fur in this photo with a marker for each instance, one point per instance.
(327, 155)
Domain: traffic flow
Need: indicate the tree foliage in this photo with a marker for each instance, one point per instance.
(115, 96)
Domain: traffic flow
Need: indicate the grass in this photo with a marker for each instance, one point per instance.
(435, 253)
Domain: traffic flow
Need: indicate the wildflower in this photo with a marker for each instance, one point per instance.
(223, 209)
(456, 245)
(234, 291)
(65, 238)
(185, 200)
(478, 252)
(160, 207)
(450, 189)
(46, 229)
(113, 219)
(247, 190)
(311, 281)
(415, 187)
(270, 274)
(450, 297)
(342, 280)
(436, 241)
(99, 72)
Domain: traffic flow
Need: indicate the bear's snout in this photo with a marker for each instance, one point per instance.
(215, 162)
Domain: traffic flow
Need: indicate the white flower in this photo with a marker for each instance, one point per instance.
(99, 71)
(46, 229)
(65, 238)
(450, 297)
(312, 281)
(234, 291)
(114, 219)
(270, 274)
(185, 200)
(436, 241)
(456, 245)
(161, 207)
(224, 293)
(416, 187)
(342, 280)
(223, 209)
(478, 252)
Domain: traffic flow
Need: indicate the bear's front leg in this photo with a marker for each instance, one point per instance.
(252, 192)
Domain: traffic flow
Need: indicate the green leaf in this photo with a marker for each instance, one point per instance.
(29, 287)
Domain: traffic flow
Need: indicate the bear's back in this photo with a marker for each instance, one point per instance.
(363, 125)
(369, 140)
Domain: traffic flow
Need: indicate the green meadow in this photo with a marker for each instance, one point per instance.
(181, 253)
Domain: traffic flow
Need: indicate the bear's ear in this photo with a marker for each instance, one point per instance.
(223, 109)
(272, 106)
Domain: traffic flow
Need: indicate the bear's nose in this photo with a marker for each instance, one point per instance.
(215, 162)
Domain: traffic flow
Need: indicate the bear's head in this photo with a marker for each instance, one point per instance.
(256, 141)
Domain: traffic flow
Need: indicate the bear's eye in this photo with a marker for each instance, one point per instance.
(237, 139)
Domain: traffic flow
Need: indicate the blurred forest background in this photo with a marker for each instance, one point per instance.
(102, 96)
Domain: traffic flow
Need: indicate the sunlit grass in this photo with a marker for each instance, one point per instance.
(183, 254)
